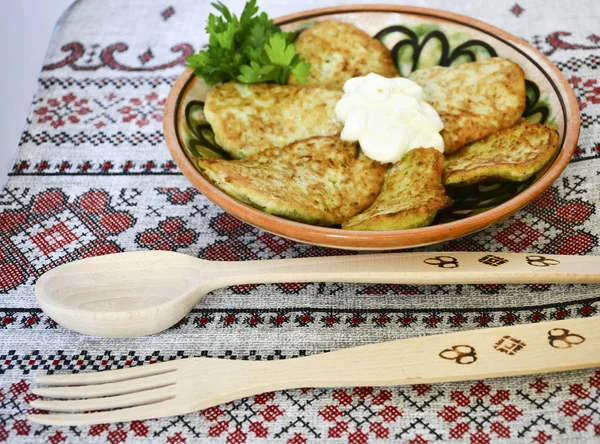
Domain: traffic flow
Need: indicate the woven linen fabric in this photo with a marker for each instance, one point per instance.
(93, 176)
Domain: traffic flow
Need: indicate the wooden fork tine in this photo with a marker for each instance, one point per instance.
(156, 410)
(107, 375)
(110, 389)
(112, 402)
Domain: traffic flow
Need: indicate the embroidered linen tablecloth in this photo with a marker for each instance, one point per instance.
(93, 176)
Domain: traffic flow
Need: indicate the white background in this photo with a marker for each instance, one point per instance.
(25, 31)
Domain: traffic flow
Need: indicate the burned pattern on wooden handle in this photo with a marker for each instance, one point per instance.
(562, 338)
(442, 261)
(509, 345)
(541, 261)
(461, 354)
(493, 260)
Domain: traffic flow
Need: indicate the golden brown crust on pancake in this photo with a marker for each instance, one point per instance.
(249, 118)
(410, 197)
(512, 154)
(474, 99)
(320, 181)
(339, 51)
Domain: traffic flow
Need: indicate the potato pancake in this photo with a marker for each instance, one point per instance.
(249, 118)
(339, 51)
(512, 154)
(474, 99)
(320, 181)
(411, 195)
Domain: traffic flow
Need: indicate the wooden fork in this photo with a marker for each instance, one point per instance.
(187, 385)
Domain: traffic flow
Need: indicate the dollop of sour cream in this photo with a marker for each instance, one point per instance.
(388, 117)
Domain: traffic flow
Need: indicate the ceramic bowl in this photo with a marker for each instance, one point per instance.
(417, 38)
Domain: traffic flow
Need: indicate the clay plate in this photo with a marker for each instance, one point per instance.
(417, 38)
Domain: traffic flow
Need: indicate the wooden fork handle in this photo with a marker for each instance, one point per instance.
(485, 353)
(417, 268)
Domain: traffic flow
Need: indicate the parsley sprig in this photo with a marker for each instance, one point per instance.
(249, 49)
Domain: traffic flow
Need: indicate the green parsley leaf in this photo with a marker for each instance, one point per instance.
(249, 10)
(226, 38)
(279, 52)
(224, 11)
(301, 71)
(250, 49)
(254, 73)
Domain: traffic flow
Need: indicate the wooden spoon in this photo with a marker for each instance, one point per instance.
(141, 293)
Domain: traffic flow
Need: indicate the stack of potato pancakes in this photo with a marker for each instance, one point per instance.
(287, 157)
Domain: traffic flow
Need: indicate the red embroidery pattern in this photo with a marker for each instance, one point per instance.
(557, 42)
(588, 91)
(141, 111)
(98, 113)
(171, 234)
(316, 318)
(58, 112)
(517, 10)
(51, 230)
(108, 109)
(360, 413)
(77, 50)
(88, 167)
(580, 410)
(480, 412)
(243, 419)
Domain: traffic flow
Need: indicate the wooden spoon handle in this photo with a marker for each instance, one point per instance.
(419, 268)
(484, 353)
